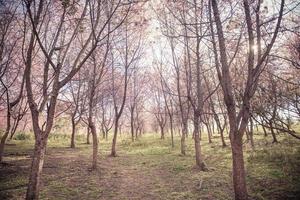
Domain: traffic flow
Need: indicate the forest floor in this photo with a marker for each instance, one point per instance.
(150, 169)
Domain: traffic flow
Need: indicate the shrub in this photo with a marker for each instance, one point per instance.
(22, 136)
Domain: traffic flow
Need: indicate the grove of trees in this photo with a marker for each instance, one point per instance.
(182, 68)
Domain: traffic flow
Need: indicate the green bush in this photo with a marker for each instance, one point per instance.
(22, 136)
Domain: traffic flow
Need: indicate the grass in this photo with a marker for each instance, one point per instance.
(150, 168)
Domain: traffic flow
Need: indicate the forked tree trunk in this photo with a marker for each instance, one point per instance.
(36, 169)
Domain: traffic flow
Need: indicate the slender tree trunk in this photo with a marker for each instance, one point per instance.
(273, 133)
(238, 172)
(113, 147)
(36, 169)
(2, 143)
(183, 136)
(103, 134)
(136, 133)
(199, 161)
(265, 131)
(247, 135)
(6, 133)
(251, 133)
(132, 126)
(208, 132)
(172, 134)
(106, 135)
(14, 129)
(88, 135)
(162, 132)
(221, 129)
(73, 133)
(95, 144)
(222, 137)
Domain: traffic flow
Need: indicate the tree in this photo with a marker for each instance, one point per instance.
(238, 120)
(10, 68)
(60, 65)
(129, 51)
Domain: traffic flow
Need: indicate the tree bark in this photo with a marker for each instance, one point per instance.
(238, 172)
(182, 141)
(199, 161)
(5, 135)
(132, 124)
(208, 132)
(88, 135)
(2, 144)
(36, 169)
(251, 133)
(273, 133)
(113, 147)
(172, 134)
(73, 133)
(95, 145)
(162, 132)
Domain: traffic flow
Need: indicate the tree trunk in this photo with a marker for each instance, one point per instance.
(113, 147)
(251, 133)
(222, 137)
(208, 132)
(36, 169)
(95, 145)
(182, 141)
(2, 144)
(273, 133)
(162, 132)
(88, 135)
(172, 134)
(132, 127)
(103, 134)
(238, 169)
(73, 133)
(221, 129)
(265, 131)
(106, 135)
(199, 162)
(137, 133)
(5, 135)
(14, 128)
